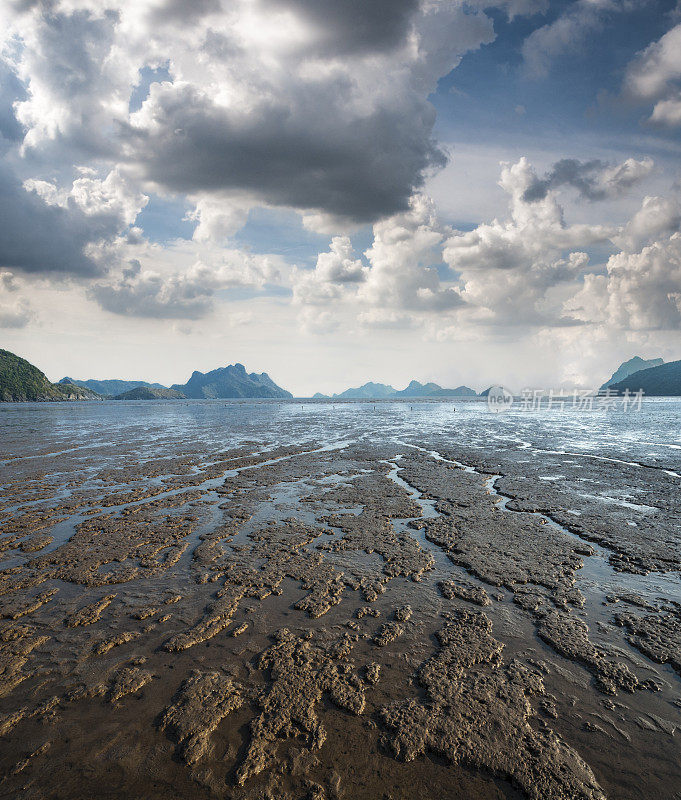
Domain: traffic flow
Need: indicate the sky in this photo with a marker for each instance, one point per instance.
(335, 191)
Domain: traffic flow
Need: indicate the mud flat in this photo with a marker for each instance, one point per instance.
(269, 601)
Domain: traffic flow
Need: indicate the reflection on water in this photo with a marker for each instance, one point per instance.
(651, 436)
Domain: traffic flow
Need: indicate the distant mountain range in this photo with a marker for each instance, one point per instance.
(380, 391)
(110, 387)
(226, 382)
(628, 368)
(229, 382)
(661, 381)
(20, 381)
(150, 393)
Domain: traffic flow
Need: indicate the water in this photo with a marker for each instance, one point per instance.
(651, 436)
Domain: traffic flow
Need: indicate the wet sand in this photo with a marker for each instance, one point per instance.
(334, 603)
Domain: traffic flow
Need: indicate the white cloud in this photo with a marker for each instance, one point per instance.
(641, 290)
(218, 217)
(656, 217)
(399, 275)
(594, 180)
(403, 254)
(113, 197)
(510, 270)
(15, 310)
(262, 97)
(186, 294)
(655, 77)
(565, 34)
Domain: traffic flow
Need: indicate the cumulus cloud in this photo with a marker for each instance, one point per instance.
(567, 32)
(190, 294)
(532, 269)
(353, 26)
(111, 199)
(11, 90)
(319, 106)
(45, 228)
(655, 77)
(594, 180)
(641, 291)
(641, 287)
(218, 217)
(397, 282)
(511, 271)
(77, 75)
(403, 254)
(333, 273)
(657, 217)
(315, 105)
(49, 230)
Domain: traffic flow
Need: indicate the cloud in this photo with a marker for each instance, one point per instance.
(399, 280)
(565, 34)
(77, 77)
(334, 272)
(384, 319)
(353, 26)
(655, 77)
(403, 256)
(515, 272)
(15, 311)
(312, 152)
(139, 292)
(218, 217)
(312, 105)
(48, 230)
(594, 180)
(11, 90)
(658, 216)
(641, 291)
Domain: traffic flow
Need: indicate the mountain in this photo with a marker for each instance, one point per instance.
(110, 387)
(635, 364)
(320, 396)
(661, 381)
(20, 381)
(416, 389)
(231, 381)
(151, 393)
(460, 391)
(369, 391)
(379, 391)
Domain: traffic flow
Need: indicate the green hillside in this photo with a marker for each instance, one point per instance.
(20, 381)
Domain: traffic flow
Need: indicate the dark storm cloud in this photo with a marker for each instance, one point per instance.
(355, 25)
(594, 180)
(169, 11)
(318, 157)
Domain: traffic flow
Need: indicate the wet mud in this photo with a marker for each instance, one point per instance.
(351, 610)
